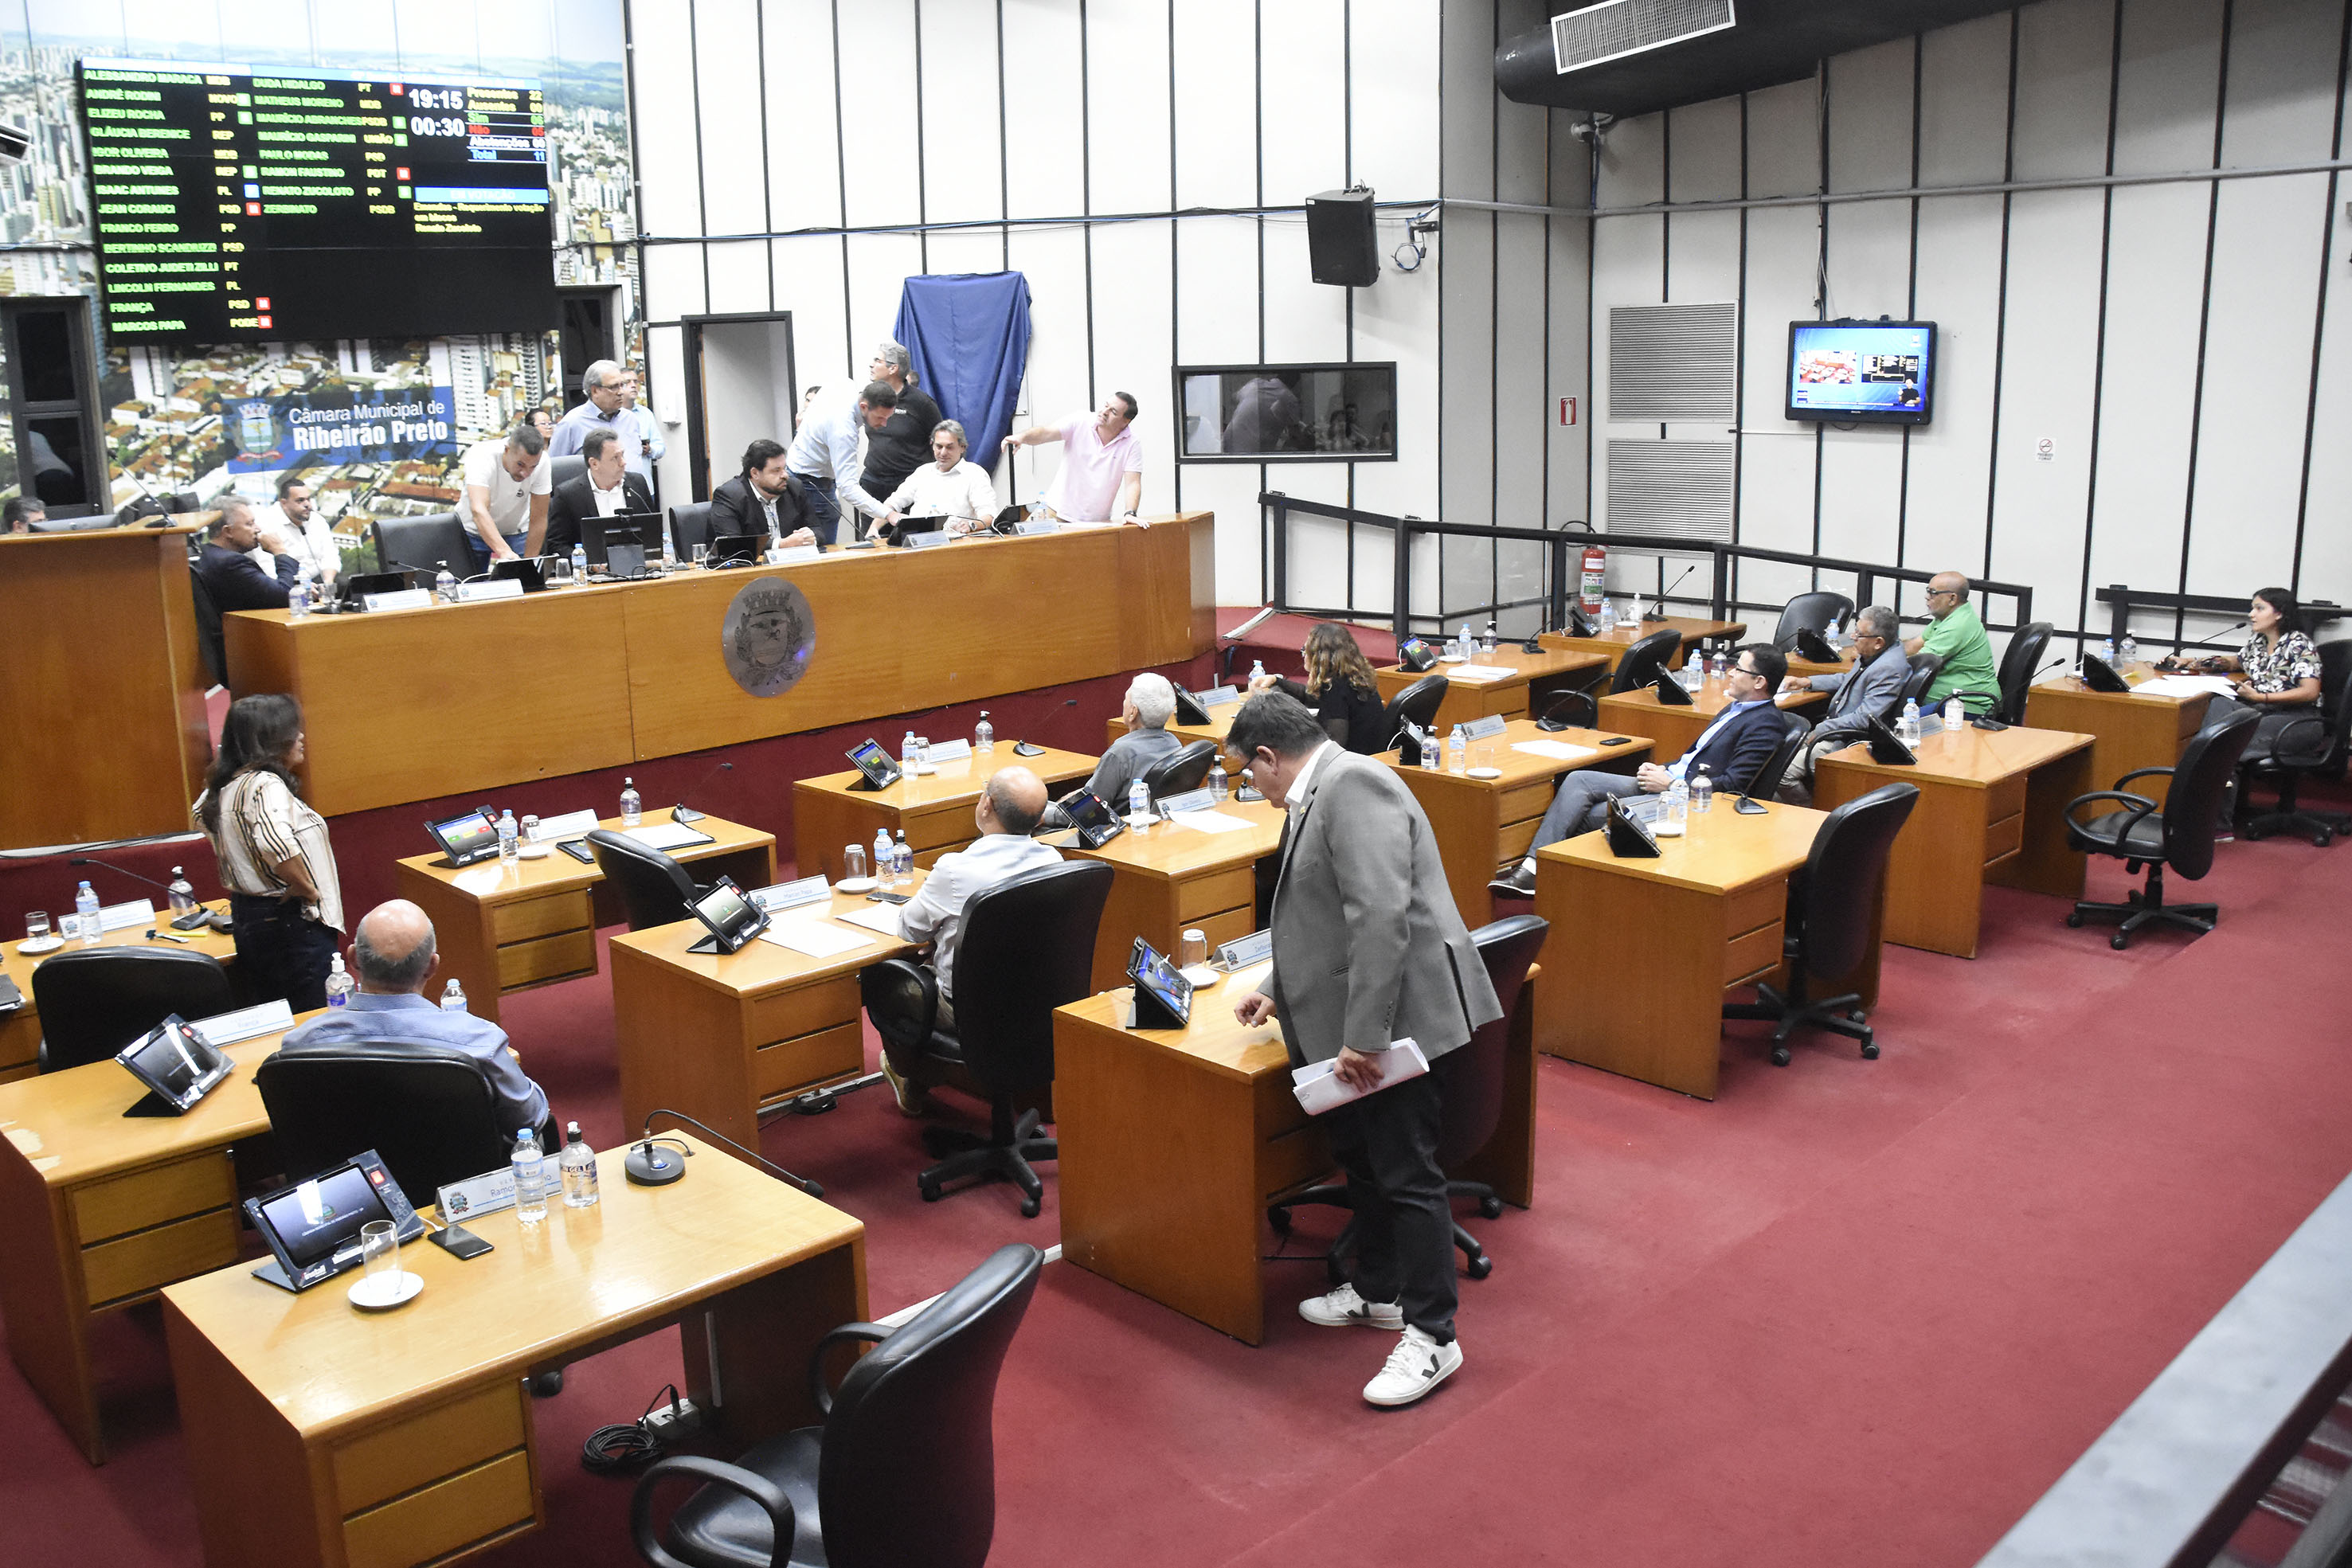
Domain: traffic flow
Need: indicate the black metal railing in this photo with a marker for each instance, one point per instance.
(2121, 601)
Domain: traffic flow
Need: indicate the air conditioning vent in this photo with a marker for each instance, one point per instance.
(1673, 362)
(1615, 28)
(1680, 488)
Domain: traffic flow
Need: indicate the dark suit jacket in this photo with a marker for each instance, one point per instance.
(575, 499)
(734, 509)
(1740, 748)
(235, 583)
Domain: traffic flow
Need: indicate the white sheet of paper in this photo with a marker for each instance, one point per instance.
(1481, 673)
(1210, 821)
(2184, 686)
(667, 835)
(817, 939)
(882, 917)
(1559, 750)
(1318, 1088)
(571, 825)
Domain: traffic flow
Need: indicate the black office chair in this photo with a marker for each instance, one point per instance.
(2314, 744)
(1766, 782)
(2180, 836)
(689, 526)
(1472, 1104)
(1028, 946)
(1642, 661)
(563, 470)
(93, 1001)
(2019, 662)
(1833, 907)
(655, 889)
(1570, 710)
(1925, 668)
(428, 1108)
(1815, 612)
(903, 1469)
(1417, 702)
(1181, 770)
(210, 640)
(424, 544)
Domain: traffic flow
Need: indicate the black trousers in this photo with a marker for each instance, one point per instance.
(281, 952)
(1387, 1145)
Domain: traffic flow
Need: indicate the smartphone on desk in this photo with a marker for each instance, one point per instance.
(1618, 740)
(459, 1242)
(577, 851)
(878, 896)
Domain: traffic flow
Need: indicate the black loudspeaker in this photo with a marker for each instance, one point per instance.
(1339, 244)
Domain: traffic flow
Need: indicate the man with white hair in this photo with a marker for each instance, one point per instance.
(1150, 704)
(601, 384)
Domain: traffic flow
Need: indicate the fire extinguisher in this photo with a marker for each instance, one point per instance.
(1592, 572)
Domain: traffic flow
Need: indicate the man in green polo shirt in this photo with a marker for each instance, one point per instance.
(1957, 635)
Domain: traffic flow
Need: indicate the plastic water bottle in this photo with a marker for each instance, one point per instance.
(1457, 751)
(1607, 616)
(579, 1164)
(1037, 511)
(1139, 801)
(339, 983)
(579, 564)
(1693, 674)
(907, 758)
(510, 840)
(183, 896)
(1955, 715)
(633, 809)
(86, 915)
(902, 861)
(2107, 649)
(983, 734)
(2130, 649)
(530, 1178)
(1257, 669)
(1486, 643)
(453, 997)
(1702, 793)
(1910, 736)
(298, 598)
(444, 587)
(883, 875)
(1719, 666)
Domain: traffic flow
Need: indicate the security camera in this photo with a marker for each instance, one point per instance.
(1593, 128)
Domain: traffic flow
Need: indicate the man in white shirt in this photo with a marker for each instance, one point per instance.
(828, 455)
(292, 527)
(1008, 812)
(506, 486)
(948, 487)
(649, 448)
(1101, 477)
(601, 385)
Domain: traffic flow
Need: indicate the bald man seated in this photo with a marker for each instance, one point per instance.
(1007, 814)
(394, 956)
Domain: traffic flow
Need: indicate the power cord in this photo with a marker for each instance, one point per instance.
(626, 1444)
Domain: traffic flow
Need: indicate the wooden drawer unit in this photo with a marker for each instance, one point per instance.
(386, 1463)
(1750, 907)
(558, 957)
(152, 1197)
(926, 858)
(791, 1065)
(945, 828)
(468, 1506)
(1200, 896)
(1753, 954)
(1525, 802)
(2003, 837)
(147, 1260)
(526, 918)
(1228, 926)
(803, 1010)
(1297, 1156)
(1515, 842)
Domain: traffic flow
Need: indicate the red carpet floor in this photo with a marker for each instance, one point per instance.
(1850, 1313)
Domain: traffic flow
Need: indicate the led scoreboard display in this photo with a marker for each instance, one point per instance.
(235, 207)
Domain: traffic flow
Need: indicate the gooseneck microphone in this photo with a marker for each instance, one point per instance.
(2174, 660)
(1658, 610)
(682, 812)
(187, 921)
(650, 1166)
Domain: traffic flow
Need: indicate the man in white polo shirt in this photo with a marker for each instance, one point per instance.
(1101, 477)
(506, 486)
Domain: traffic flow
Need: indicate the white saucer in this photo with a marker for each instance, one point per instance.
(50, 944)
(922, 770)
(853, 885)
(403, 1287)
(536, 850)
(1449, 658)
(1486, 773)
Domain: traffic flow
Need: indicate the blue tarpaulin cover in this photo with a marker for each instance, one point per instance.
(968, 334)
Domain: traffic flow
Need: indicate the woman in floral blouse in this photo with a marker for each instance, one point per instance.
(2277, 670)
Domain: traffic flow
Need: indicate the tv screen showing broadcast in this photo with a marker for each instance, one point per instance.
(1861, 373)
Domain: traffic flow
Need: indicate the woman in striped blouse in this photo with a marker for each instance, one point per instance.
(285, 900)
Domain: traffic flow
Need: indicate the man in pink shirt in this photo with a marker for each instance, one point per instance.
(1101, 478)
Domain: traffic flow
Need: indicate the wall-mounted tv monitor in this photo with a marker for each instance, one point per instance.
(1861, 373)
(243, 204)
(1287, 413)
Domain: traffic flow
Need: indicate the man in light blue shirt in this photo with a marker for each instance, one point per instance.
(825, 457)
(601, 384)
(394, 956)
(649, 447)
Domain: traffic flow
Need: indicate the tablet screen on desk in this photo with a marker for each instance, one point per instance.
(465, 838)
(1155, 974)
(730, 917)
(314, 1219)
(173, 1059)
(875, 763)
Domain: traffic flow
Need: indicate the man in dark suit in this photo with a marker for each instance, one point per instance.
(1368, 951)
(229, 573)
(606, 487)
(1731, 749)
(763, 498)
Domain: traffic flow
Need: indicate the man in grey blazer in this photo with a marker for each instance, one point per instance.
(1368, 949)
(1880, 668)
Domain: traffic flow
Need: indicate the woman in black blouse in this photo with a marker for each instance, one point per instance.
(1339, 689)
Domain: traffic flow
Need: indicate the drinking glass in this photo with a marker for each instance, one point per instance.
(1192, 949)
(36, 926)
(701, 558)
(852, 861)
(379, 1251)
(922, 753)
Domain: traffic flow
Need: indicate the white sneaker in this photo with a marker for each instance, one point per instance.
(1416, 1365)
(1344, 1309)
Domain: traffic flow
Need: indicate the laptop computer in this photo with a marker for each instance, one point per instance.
(636, 534)
(737, 549)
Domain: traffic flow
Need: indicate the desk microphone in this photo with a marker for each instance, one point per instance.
(682, 812)
(650, 1166)
(187, 921)
(1658, 610)
(2175, 658)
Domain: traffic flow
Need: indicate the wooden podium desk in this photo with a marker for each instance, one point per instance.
(933, 810)
(1171, 879)
(1612, 646)
(2127, 729)
(719, 1035)
(1482, 825)
(1992, 808)
(1807, 669)
(1173, 1141)
(1513, 696)
(319, 1436)
(20, 1031)
(1707, 915)
(99, 1210)
(1676, 729)
(503, 931)
(416, 704)
(1220, 719)
(103, 687)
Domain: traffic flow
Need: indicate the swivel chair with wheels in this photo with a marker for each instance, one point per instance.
(2180, 836)
(1643, 659)
(563, 470)
(1815, 612)
(1473, 1102)
(2314, 745)
(428, 1108)
(1181, 769)
(689, 526)
(1831, 915)
(211, 641)
(903, 1469)
(93, 1001)
(1027, 947)
(2019, 662)
(1417, 702)
(655, 889)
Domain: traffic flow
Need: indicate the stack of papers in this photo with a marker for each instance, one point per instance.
(817, 939)
(1210, 821)
(882, 917)
(2185, 686)
(668, 836)
(1481, 673)
(1319, 1086)
(1559, 750)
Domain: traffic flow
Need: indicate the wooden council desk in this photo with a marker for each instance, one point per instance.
(1676, 729)
(1612, 646)
(719, 1035)
(501, 931)
(1173, 1142)
(412, 706)
(1681, 930)
(20, 1030)
(1513, 696)
(1482, 825)
(2127, 729)
(1992, 807)
(103, 687)
(99, 1212)
(1171, 878)
(320, 1434)
(933, 810)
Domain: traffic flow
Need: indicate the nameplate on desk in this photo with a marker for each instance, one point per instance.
(1042, 528)
(571, 825)
(1486, 728)
(485, 1194)
(226, 1028)
(793, 894)
(401, 599)
(138, 911)
(929, 537)
(1189, 800)
(1241, 953)
(1218, 696)
(790, 554)
(947, 751)
(503, 588)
